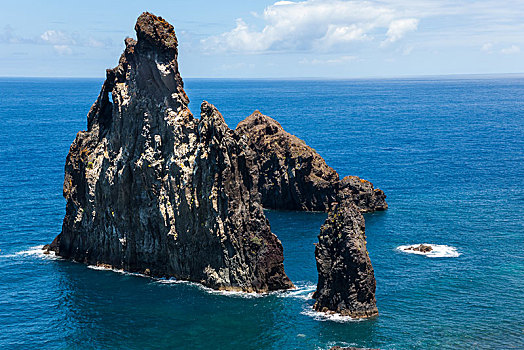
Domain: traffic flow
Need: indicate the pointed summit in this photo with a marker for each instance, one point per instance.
(151, 189)
(156, 32)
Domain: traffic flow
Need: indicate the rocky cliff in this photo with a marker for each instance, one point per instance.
(346, 281)
(293, 176)
(362, 192)
(151, 189)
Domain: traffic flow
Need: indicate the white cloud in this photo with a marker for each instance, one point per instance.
(510, 50)
(320, 25)
(94, 43)
(7, 36)
(63, 42)
(56, 37)
(399, 28)
(333, 61)
(406, 51)
(487, 47)
(63, 50)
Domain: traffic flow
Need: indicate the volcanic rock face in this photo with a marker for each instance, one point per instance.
(363, 194)
(346, 282)
(151, 189)
(293, 176)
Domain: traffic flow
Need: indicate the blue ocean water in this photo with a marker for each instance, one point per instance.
(449, 153)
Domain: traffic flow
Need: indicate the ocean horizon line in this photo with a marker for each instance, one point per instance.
(453, 76)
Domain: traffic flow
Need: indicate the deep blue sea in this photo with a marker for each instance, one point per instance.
(449, 154)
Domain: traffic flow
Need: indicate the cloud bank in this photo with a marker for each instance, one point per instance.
(315, 25)
(62, 42)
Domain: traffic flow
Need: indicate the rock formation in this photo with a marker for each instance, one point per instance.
(420, 248)
(293, 176)
(151, 189)
(361, 192)
(346, 282)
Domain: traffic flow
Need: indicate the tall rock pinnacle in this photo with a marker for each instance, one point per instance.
(346, 281)
(151, 189)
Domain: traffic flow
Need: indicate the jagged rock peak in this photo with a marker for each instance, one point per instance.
(156, 32)
(363, 194)
(346, 281)
(293, 176)
(151, 189)
(151, 63)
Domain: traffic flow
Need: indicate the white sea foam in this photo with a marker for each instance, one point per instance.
(173, 280)
(438, 250)
(303, 291)
(227, 293)
(322, 316)
(120, 271)
(35, 251)
(103, 268)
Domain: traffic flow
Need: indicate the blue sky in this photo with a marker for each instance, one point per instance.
(271, 39)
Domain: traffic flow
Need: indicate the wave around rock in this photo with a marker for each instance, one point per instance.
(436, 251)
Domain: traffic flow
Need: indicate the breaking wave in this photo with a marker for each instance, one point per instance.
(35, 251)
(322, 316)
(228, 293)
(303, 291)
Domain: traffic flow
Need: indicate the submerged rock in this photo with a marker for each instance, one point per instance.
(346, 281)
(293, 176)
(151, 189)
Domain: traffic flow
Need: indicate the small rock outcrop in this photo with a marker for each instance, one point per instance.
(151, 189)
(346, 281)
(293, 176)
(420, 248)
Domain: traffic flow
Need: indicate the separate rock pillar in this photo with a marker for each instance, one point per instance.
(346, 281)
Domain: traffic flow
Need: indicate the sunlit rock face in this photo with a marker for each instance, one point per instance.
(152, 189)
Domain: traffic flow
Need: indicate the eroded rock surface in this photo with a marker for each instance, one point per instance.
(151, 189)
(293, 176)
(362, 192)
(346, 281)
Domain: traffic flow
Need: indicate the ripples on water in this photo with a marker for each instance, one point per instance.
(448, 153)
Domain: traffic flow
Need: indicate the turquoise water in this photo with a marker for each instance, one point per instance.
(449, 154)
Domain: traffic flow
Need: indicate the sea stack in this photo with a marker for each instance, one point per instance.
(346, 281)
(293, 176)
(151, 189)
